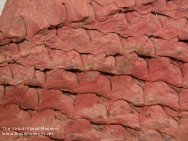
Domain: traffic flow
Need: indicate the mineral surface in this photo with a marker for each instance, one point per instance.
(94, 70)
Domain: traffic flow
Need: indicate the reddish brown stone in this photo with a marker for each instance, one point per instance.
(109, 44)
(98, 70)
(22, 22)
(12, 116)
(171, 48)
(42, 37)
(99, 62)
(155, 93)
(86, 82)
(183, 34)
(66, 60)
(8, 137)
(128, 3)
(55, 99)
(37, 80)
(147, 135)
(35, 56)
(184, 68)
(184, 99)
(162, 69)
(9, 52)
(80, 129)
(116, 132)
(93, 82)
(46, 118)
(138, 22)
(60, 79)
(21, 74)
(144, 1)
(132, 65)
(88, 106)
(183, 129)
(123, 87)
(85, 42)
(23, 96)
(120, 112)
(38, 138)
(104, 8)
(154, 117)
(74, 13)
(117, 23)
(170, 28)
(2, 93)
(6, 75)
(142, 45)
(81, 39)
(174, 114)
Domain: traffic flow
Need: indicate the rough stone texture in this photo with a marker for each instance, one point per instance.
(98, 70)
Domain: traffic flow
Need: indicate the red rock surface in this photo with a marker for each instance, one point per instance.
(97, 70)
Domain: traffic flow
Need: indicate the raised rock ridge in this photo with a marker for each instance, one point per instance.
(98, 70)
